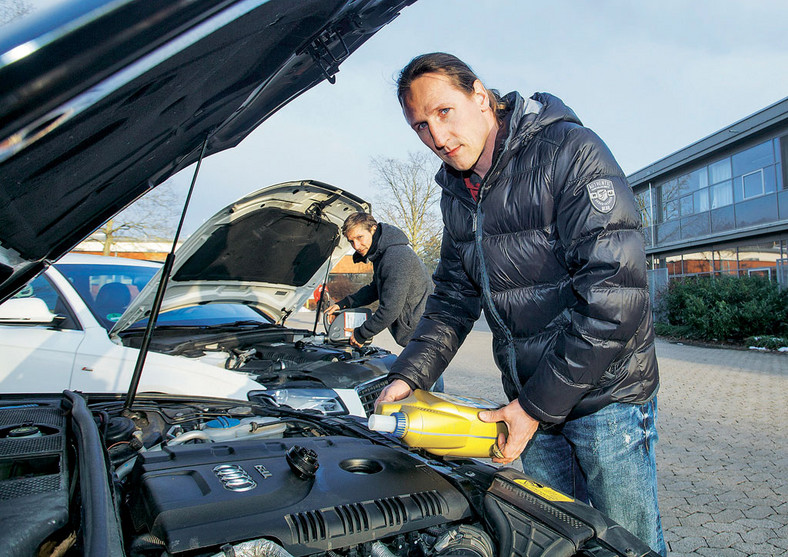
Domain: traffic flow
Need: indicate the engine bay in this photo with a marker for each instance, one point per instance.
(276, 357)
(219, 478)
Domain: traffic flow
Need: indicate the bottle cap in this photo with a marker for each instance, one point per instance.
(379, 422)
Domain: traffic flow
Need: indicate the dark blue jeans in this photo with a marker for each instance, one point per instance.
(605, 459)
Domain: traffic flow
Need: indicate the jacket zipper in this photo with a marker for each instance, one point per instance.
(477, 216)
(478, 219)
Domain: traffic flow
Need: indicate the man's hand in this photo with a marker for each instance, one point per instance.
(521, 428)
(331, 311)
(396, 390)
(352, 340)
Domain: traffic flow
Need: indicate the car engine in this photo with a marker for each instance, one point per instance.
(281, 358)
(309, 495)
(206, 478)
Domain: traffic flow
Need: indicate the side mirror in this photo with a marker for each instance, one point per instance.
(26, 311)
(341, 328)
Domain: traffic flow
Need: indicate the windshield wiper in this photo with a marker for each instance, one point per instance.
(232, 324)
(162, 327)
(241, 323)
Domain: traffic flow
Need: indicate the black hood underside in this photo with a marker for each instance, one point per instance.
(127, 94)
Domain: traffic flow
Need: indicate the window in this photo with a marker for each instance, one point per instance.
(697, 179)
(210, 315)
(668, 195)
(644, 206)
(725, 262)
(769, 181)
(724, 191)
(668, 232)
(683, 185)
(670, 210)
(695, 226)
(721, 194)
(752, 184)
(697, 263)
(107, 290)
(643, 203)
(41, 288)
(761, 210)
(719, 171)
(753, 159)
(673, 263)
(686, 206)
(782, 202)
(722, 219)
(758, 257)
(646, 233)
(701, 200)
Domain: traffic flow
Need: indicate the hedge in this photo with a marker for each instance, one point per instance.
(724, 308)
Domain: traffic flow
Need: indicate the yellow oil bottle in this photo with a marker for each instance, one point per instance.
(440, 423)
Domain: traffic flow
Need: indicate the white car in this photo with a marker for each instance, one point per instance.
(221, 331)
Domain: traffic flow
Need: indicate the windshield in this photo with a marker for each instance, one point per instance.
(209, 315)
(107, 290)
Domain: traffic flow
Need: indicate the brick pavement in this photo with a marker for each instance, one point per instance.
(723, 451)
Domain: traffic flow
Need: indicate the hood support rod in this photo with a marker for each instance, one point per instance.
(319, 305)
(165, 277)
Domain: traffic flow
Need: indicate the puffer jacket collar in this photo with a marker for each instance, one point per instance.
(523, 125)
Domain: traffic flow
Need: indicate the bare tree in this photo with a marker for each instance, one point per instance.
(409, 200)
(154, 216)
(11, 10)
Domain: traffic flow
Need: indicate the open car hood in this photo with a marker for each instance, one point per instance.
(103, 100)
(268, 250)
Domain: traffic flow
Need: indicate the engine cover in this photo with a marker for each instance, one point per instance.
(197, 496)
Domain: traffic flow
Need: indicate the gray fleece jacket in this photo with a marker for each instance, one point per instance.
(400, 282)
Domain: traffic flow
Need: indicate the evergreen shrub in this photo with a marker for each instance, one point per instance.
(723, 308)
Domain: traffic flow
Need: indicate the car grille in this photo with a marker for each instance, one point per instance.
(369, 391)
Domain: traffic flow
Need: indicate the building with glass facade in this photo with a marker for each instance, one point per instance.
(720, 205)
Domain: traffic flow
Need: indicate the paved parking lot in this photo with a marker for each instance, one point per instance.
(723, 450)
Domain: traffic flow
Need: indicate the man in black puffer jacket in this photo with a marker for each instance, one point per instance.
(541, 230)
(400, 281)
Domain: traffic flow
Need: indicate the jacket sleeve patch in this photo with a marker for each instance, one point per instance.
(602, 195)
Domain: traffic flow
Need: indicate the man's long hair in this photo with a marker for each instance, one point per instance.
(460, 74)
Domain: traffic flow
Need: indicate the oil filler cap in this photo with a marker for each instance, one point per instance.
(25, 430)
(302, 461)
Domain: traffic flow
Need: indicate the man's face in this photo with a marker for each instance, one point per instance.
(454, 124)
(360, 238)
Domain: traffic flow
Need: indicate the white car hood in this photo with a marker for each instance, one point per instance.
(268, 250)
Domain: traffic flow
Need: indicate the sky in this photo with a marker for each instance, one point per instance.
(648, 76)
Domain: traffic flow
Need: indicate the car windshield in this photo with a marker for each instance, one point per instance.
(209, 315)
(107, 290)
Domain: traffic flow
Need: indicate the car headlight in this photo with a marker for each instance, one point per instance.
(326, 401)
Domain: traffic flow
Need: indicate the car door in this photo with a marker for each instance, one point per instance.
(100, 289)
(40, 358)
